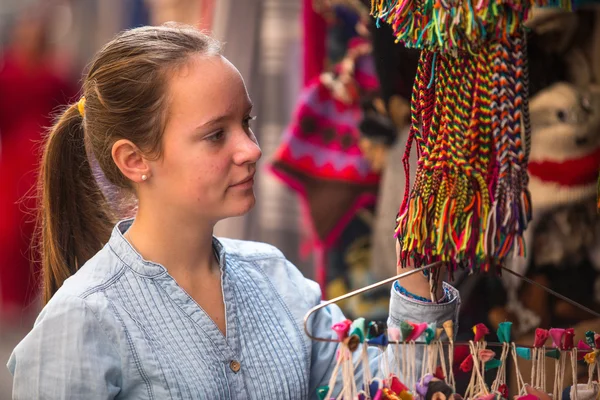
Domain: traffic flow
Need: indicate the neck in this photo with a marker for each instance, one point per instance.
(181, 246)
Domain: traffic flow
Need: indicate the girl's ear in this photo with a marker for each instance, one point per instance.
(130, 161)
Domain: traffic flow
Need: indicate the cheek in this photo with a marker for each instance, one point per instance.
(207, 178)
(195, 174)
(186, 162)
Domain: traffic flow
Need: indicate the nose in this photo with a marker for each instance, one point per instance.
(247, 150)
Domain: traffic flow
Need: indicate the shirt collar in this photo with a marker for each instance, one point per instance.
(129, 255)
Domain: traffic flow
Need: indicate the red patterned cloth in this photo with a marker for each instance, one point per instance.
(319, 156)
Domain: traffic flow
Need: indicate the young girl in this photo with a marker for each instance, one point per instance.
(158, 308)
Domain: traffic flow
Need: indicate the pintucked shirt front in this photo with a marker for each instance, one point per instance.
(122, 328)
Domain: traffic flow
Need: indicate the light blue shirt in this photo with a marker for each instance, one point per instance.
(122, 328)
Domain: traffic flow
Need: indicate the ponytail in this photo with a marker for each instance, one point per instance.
(74, 219)
(125, 98)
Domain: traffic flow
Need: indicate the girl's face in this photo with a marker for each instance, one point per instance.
(209, 151)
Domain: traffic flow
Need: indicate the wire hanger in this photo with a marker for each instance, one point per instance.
(424, 268)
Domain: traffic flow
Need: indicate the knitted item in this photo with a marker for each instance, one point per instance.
(438, 25)
(394, 65)
(319, 155)
(566, 156)
(469, 204)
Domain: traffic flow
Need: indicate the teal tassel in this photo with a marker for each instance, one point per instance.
(359, 333)
(524, 353)
(429, 335)
(493, 363)
(554, 353)
(405, 329)
(503, 332)
(322, 392)
(358, 328)
(589, 339)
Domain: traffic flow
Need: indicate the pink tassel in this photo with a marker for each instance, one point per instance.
(557, 335)
(480, 331)
(541, 335)
(394, 334)
(418, 330)
(342, 328)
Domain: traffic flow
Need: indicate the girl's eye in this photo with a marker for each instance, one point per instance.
(247, 121)
(216, 137)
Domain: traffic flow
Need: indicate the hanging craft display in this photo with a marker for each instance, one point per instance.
(416, 360)
(397, 376)
(469, 204)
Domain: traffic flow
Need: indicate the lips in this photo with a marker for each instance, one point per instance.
(248, 179)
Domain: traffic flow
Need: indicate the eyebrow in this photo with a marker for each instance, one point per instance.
(223, 117)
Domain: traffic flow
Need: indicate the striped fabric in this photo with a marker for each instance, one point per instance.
(122, 328)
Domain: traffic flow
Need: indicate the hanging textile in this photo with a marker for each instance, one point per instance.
(319, 155)
(470, 204)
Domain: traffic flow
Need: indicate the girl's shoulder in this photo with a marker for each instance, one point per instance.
(99, 272)
(268, 261)
(247, 249)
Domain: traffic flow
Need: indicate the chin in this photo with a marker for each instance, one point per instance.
(242, 207)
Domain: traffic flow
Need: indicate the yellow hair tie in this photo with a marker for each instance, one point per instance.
(81, 106)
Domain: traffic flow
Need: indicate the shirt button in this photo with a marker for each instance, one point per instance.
(235, 366)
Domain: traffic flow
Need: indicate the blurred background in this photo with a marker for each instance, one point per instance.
(332, 95)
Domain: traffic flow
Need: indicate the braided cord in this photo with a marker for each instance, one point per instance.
(470, 123)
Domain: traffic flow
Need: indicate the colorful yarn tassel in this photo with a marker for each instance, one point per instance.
(452, 25)
(469, 204)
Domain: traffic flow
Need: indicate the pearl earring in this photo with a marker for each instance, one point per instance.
(144, 177)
